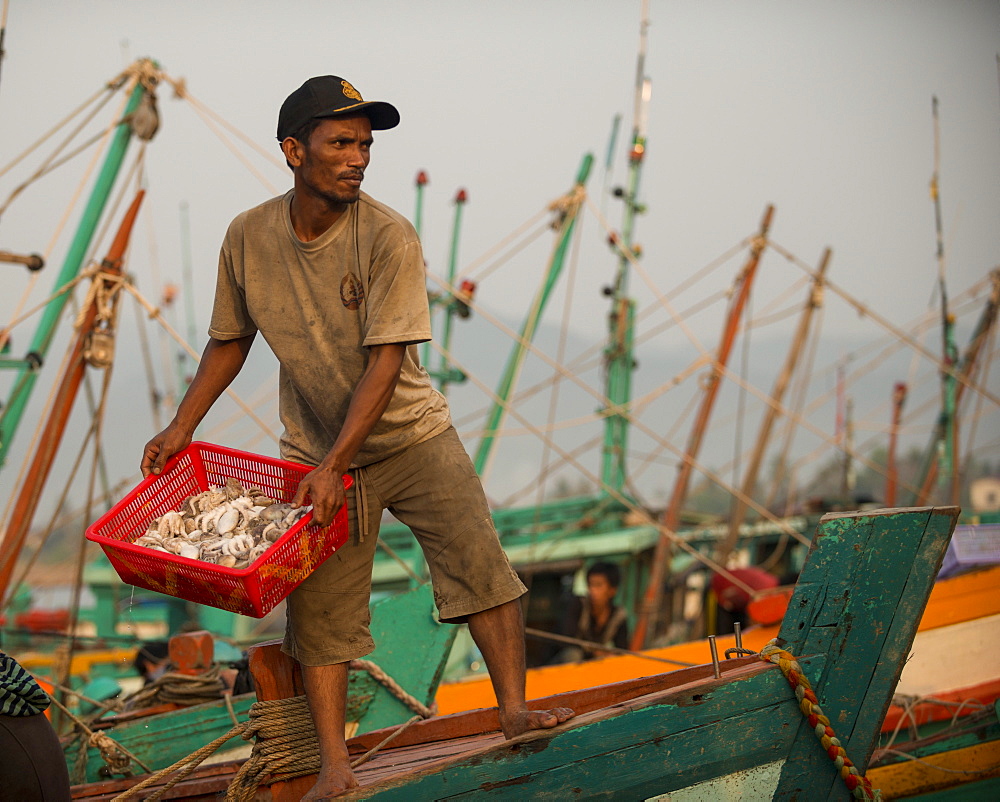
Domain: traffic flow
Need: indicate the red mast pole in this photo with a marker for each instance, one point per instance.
(62, 405)
(898, 399)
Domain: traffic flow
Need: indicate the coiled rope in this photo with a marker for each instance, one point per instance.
(859, 785)
(178, 689)
(286, 746)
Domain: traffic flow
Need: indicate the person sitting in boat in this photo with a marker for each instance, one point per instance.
(151, 660)
(335, 283)
(32, 766)
(596, 618)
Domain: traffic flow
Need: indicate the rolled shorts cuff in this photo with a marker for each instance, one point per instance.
(456, 612)
(328, 657)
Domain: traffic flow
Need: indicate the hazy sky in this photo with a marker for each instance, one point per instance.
(822, 109)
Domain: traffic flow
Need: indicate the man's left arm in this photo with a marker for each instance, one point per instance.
(324, 484)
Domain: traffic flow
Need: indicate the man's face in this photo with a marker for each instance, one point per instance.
(600, 591)
(331, 165)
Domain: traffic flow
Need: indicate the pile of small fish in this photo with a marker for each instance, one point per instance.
(229, 526)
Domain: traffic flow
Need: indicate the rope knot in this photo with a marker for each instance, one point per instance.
(117, 761)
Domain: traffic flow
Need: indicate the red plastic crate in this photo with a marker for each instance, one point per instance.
(252, 591)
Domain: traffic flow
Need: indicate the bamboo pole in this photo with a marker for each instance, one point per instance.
(653, 598)
(813, 302)
(891, 471)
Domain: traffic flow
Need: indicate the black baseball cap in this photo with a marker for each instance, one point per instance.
(331, 96)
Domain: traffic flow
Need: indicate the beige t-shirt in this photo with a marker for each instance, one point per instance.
(320, 305)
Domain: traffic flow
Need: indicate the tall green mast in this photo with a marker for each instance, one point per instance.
(446, 373)
(516, 359)
(618, 353)
(28, 368)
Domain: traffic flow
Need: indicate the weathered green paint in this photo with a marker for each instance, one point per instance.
(412, 647)
(859, 600)
(850, 623)
(635, 755)
(163, 739)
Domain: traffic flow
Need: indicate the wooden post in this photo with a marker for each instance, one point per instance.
(278, 676)
(771, 413)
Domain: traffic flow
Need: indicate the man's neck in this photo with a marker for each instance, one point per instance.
(312, 217)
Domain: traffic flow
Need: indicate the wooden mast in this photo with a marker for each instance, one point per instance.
(30, 493)
(891, 473)
(739, 512)
(648, 613)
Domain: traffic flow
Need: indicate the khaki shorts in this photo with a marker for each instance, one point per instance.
(433, 488)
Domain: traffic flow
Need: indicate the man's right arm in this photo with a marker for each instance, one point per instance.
(220, 364)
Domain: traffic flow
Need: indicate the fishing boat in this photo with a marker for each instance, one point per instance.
(551, 540)
(733, 727)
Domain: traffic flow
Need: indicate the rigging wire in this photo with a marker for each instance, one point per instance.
(209, 118)
(84, 181)
(509, 241)
(181, 91)
(604, 401)
(154, 312)
(560, 356)
(107, 91)
(642, 514)
(868, 312)
(725, 372)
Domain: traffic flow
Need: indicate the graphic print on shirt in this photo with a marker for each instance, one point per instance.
(352, 294)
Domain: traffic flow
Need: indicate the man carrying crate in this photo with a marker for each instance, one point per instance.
(334, 282)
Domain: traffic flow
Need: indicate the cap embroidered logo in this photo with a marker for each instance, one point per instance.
(350, 91)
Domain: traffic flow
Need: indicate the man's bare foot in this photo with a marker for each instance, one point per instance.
(332, 781)
(521, 721)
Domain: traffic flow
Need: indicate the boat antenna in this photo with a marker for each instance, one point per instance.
(609, 163)
(3, 29)
(949, 352)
